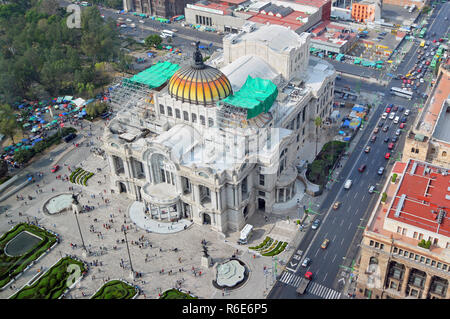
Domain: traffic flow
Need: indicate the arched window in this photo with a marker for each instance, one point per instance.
(210, 122)
(169, 111)
(413, 150)
(194, 118)
(161, 109)
(185, 116)
(444, 154)
(177, 113)
(202, 120)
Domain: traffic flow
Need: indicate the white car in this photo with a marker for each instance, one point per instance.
(371, 189)
(348, 184)
(407, 112)
(306, 262)
(141, 21)
(129, 20)
(421, 80)
(392, 115)
(123, 25)
(384, 116)
(397, 118)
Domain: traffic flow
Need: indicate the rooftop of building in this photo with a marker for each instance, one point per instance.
(330, 32)
(277, 37)
(422, 192)
(291, 20)
(414, 212)
(430, 114)
(223, 7)
(442, 99)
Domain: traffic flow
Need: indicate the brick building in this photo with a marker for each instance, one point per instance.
(392, 264)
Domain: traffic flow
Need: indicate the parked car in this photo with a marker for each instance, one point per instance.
(380, 170)
(390, 145)
(376, 130)
(402, 125)
(384, 116)
(407, 112)
(386, 139)
(55, 168)
(367, 149)
(373, 138)
(387, 155)
(394, 139)
(371, 189)
(385, 129)
(398, 132)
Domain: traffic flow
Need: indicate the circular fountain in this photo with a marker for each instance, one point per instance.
(58, 204)
(231, 274)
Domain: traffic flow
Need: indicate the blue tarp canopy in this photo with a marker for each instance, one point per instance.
(346, 123)
(358, 109)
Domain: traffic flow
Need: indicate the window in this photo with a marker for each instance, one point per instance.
(416, 257)
(177, 113)
(377, 244)
(161, 109)
(427, 261)
(381, 246)
(185, 116)
(400, 251)
(262, 194)
(395, 250)
(433, 263)
(444, 154)
(202, 120)
(412, 150)
(399, 229)
(194, 118)
(444, 267)
(405, 254)
(415, 235)
(371, 243)
(261, 180)
(422, 259)
(439, 265)
(210, 122)
(420, 236)
(404, 231)
(417, 151)
(169, 111)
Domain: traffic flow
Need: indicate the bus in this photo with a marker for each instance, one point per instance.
(422, 32)
(401, 92)
(167, 33)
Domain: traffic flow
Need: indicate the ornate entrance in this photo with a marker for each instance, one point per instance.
(206, 219)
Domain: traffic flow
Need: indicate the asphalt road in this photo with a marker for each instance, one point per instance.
(343, 227)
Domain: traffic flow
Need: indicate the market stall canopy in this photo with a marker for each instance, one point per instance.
(79, 102)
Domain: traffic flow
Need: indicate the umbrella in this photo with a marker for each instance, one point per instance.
(65, 113)
(24, 140)
(42, 121)
(60, 115)
(19, 144)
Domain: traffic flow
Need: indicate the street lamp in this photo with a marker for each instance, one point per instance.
(79, 229)
(129, 256)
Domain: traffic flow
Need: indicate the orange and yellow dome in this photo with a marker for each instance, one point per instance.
(199, 83)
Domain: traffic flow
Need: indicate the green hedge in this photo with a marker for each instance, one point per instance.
(10, 267)
(115, 289)
(278, 249)
(383, 197)
(261, 245)
(394, 177)
(53, 283)
(317, 171)
(175, 294)
(80, 176)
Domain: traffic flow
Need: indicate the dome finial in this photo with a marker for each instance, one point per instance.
(198, 58)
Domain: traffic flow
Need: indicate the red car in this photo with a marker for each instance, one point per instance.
(362, 168)
(427, 62)
(434, 41)
(419, 70)
(402, 125)
(55, 168)
(390, 146)
(388, 109)
(387, 156)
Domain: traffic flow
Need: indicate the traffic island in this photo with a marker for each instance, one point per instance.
(56, 282)
(20, 248)
(116, 289)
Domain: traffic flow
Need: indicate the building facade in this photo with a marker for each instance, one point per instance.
(394, 262)
(367, 10)
(200, 150)
(160, 8)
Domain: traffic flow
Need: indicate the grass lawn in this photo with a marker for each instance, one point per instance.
(54, 282)
(115, 289)
(12, 266)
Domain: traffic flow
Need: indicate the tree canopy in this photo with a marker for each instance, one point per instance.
(39, 54)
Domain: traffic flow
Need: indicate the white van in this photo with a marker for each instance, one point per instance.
(246, 233)
(397, 118)
(348, 184)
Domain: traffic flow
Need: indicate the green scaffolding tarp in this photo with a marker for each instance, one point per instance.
(256, 95)
(156, 75)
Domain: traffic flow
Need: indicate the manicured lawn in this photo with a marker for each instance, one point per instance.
(175, 294)
(115, 289)
(54, 282)
(11, 266)
(270, 247)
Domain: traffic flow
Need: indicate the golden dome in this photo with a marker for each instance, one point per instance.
(199, 83)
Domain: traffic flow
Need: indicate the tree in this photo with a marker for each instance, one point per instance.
(317, 123)
(8, 123)
(153, 40)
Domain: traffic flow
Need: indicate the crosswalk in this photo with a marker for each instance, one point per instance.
(313, 288)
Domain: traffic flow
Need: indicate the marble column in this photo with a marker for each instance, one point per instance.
(405, 281)
(111, 164)
(427, 286)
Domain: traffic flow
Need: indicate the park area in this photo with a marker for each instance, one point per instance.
(176, 294)
(54, 283)
(115, 289)
(20, 247)
(320, 168)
